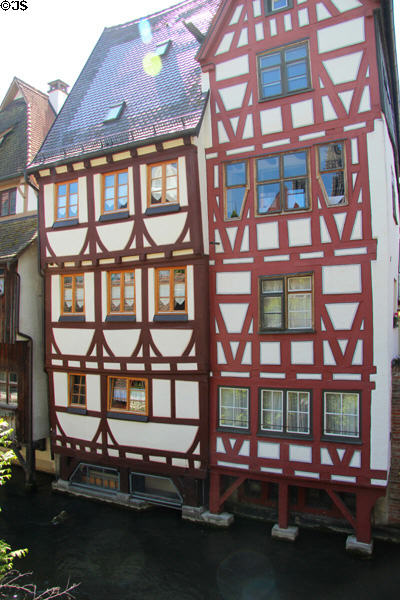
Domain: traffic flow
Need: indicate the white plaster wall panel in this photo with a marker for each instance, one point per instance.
(93, 392)
(138, 291)
(67, 243)
(73, 341)
(287, 20)
(342, 35)
(79, 426)
(268, 450)
(219, 247)
(234, 348)
(216, 179)
(356, 460)
(299, 453)
(302, 113)
(161, 398)
(236, 15)
(82, 200)
(322, 12)
(233, 96)
(143, 187)
(259, 31)
(246, 358)
(257, 8)
(187, 400)
(160, 436)
(345, 5)
(182, 178)
(234, 316)
(271, 120)
(343, 345)
(232, 68)
(89, 296)
(358, 354)
(48, 195)
(245, 240)
(267, 235)
(223, 137)
(234, 283)
(328, 355)
(225, 44)
(115, 236)
(97, 195)
(299, 232)
(245, 449)
(341, 279)
(273, 28)
(60, 385)
(342, 314)
(344, 68)
(365, 102)
(302, 353)
(19, 202)
(244, 38)
(248, 131)
(104, 300)
(232, 232)
(341, 452)
(234, 121)
(55, 297)
(122, 342)
(328, 110)
(303, 17)
(326, 457)
(221, 358)
(270, 353)
(166, 229)
(190, 292)
(205, 83)
(346, 98)
(32, 199)
(354, 151)
(325, 237)
(340, 219)
(171, 342)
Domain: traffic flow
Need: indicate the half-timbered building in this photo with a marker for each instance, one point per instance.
(123, 227)
(25, 117)
(303, 175)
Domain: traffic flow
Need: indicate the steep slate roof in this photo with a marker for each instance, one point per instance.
(14, 145)
(16, 235)
(159, 106)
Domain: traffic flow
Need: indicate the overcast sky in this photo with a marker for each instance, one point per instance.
(52, 39)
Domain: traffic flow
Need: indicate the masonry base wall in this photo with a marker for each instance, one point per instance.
(394, 479)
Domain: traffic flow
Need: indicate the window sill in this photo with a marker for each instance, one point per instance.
(119, 318)
(123, 214)
(72, 319)
(341, 439)
(284, 331)
(11, 407)
(169, 318)
(307, 437)
(127, 416)
(164, 208)
(244, 430)
(66, 223)
(295, 93)
(75, 410)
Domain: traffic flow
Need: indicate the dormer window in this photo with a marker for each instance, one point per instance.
(162, 48)
(114, 112)
(8, 202)
(273, 6)
(3, 134)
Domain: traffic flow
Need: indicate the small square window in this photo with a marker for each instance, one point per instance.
(73, 295)
(8, 202)
(171, 291)
(115, 192)
(331, 162)
(233, 408)
(273, 6)
(66, 201)
(342, 414)
(235, 189)
(77, 390)
(163, 187)
(285, 411)
(114, 112)
(121, 293)
(284, 71)
(286, 303)
(128, 395)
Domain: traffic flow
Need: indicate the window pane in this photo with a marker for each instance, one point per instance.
(278, 4)
(118, 393)
(236, 174)
(295, 164)
(234, 202)
(233, 407)
(137, 396)
(334, 187)
(296, 194)
(62, 190)
(299, 311)
(272, 410)
(122, 178)
(332, 402)
(331, 157)
(271, 81)
(272, 285)
(172, 169)
(268, 168)
(268, 198)
(297, 76)
(156, 172)
(295, 53)
(270, 60)
(272, 316)
(299, 283)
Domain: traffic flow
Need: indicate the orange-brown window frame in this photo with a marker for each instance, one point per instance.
(115, 198)
(163, 166)
(122, 293)
(81, 394)
(171, 292)
(67, 202)
(127, 381)
(73, 311)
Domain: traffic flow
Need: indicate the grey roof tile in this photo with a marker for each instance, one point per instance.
(16, 235)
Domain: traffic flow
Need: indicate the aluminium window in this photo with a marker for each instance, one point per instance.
(342, 414)
(284, 71)
(286, 303)
(235, 189)
(72, 295)
(9, 388)
(282, 183)
(171, 291)
(331, 164)
(285, 411)
(121, 293)
(163, 184)
(77, 390)
(233, 408)
(273, 6)
(8, 202)
(115, 192)
(128, 395)
(67, 201)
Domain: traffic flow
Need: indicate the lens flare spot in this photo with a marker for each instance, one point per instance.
(145, 31)
(152, 64)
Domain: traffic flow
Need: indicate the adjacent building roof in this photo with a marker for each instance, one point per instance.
(16, 235)
(159, 85)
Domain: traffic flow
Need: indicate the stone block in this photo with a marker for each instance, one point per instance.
(193, 513)
(219, 520)
(362, 549)
(289, 534)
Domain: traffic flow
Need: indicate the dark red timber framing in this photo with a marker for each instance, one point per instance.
(299, 121)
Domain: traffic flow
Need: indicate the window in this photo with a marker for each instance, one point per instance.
(162, 48)
(115, 191)
(282, 183)
(8, 388)
(73, 296)
(273, 6)
(286, 303)
(171, 291)
(128, 395)
(285, 411)
(121, 293)
(67, 201)
(331, 171)
(77, 390)
(1, 282)
(284, 71)
(93, 476)
(163, 184)
(236, 185)
(7, 202)
(234, 407)
(155, 488)
(341, 414)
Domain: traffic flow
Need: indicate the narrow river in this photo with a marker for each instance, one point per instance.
(117, 554)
